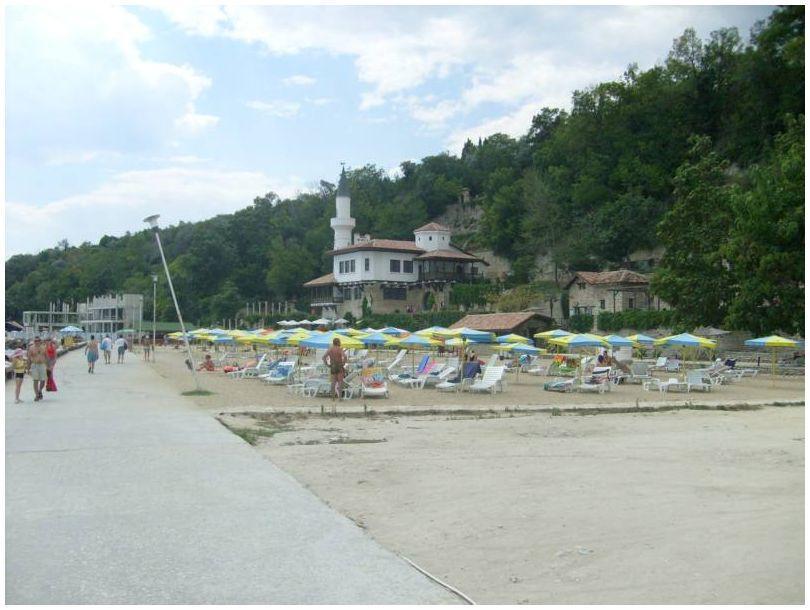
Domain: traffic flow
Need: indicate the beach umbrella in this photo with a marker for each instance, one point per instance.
(324, 341)
(522, 348)
(341, 321)
(370, 330)
(512, 338)
(552, 334)
(686, 341)
(219, 339)
(579, 340)
(431, 330)
(321, 322)
(217, 331)
(773, 342)
(619, 341)
(377, 339)
(71, 329)
(304, 323)
(642, 339)
(415, 342)
(393, 330)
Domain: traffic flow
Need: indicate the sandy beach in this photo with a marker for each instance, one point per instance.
(511, 507)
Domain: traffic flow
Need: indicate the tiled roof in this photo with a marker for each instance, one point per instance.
(381, 244)
(448, 255)
(494, 321)
(324, 280)
(432, 226)
(622, 276)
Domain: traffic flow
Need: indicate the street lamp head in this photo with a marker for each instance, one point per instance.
(152, 220)
(154, 278)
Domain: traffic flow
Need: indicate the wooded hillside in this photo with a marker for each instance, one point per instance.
(703, 154)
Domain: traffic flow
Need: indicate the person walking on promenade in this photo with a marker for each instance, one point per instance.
(106, 347)
(120, 347)
(18, 366)
(50, 363)
(91, 349)
(147, 347)
(335, 359)
(36, 366)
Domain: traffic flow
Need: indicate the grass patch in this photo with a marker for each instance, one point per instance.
(197, 393)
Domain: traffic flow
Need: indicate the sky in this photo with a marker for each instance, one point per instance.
(114, 113)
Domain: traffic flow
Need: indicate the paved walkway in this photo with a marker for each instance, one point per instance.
(119, 491)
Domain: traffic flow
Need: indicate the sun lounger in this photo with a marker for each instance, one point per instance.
(673, 385)
(437, 377)
(374, 384)
(471, 369)
(281, 374)
(600, 384)
(417, 382)
(639, 373)
(491, 380)
(698, 380)
(390, 366)
(660, 364)
(250, 371)
(559, 385)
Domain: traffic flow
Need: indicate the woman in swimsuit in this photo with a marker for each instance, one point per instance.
(91, 349)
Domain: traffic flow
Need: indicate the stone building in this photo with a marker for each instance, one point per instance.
(590, 292)
(388, 275)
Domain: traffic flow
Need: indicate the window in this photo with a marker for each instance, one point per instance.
(601, 303)
(357, 293)
(630, 303)
(341, 266)
(581, 285)
(394, 294)
(368, 264)
(430, 238)
(394, 265)
(407, 266)
(352, 265)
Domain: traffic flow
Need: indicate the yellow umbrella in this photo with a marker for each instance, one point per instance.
(773, 342)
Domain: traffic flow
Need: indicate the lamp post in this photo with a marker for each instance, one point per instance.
(152, 221)
(154, 313)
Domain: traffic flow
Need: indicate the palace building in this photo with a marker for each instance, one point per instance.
(389, 275)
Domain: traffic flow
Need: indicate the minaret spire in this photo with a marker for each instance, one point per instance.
(342, 223)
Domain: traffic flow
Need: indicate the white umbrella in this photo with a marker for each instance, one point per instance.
(321, 322)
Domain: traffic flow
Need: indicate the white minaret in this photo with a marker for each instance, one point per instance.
(342, 223)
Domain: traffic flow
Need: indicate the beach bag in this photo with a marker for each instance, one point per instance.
(50, 386)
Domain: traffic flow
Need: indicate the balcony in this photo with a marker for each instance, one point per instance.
(325, 300)
(448, 276)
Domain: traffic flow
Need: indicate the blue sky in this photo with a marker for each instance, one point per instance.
(114, 113)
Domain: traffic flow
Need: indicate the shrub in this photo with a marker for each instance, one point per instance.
(636, 318)
(580, 323)
(472, 295)
(412, 321)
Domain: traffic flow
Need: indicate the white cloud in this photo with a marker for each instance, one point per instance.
(192, 123)
(280, 108)
(80, 78)
(119, 205)
(188, 159)
(299, 80)
(79, 157)
(321, 101)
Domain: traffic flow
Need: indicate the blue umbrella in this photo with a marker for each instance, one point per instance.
(526, 349)
(619, 341)
(476, 336)
(71, 329)
(375, 339)
(222, 339)
(393, 330)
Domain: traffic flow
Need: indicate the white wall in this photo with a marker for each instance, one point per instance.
(379, 266)
(432, 240)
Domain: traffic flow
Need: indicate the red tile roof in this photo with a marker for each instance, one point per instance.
(448, 255)
(494, 322)
(324, 280)
(394, 245)
(621, 276)
(432, 226)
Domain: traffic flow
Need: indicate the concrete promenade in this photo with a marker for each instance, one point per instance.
(120, 491)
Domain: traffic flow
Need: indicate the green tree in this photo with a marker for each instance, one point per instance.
(766, 244)
(290, 267)
(694, 276)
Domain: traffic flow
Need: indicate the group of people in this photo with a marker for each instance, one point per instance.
(107, 345)
(38, 361)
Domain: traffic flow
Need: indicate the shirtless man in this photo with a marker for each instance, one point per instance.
(37, 358)
(335, 359)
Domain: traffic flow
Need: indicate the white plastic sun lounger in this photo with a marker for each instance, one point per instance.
(491, 381)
